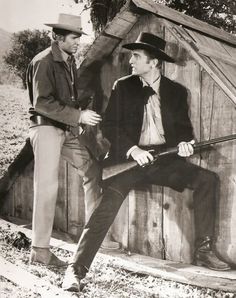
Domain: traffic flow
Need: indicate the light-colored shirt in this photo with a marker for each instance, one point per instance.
(152, 132)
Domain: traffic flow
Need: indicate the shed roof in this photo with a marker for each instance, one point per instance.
(185, 20)
(213, 48)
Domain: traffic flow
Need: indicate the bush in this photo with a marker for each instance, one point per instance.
(25, 45)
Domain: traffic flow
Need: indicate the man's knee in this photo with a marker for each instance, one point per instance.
(207, 178)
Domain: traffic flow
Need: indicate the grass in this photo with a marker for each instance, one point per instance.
(13, 123)
(105, 279)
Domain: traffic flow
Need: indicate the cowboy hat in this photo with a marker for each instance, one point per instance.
(151, 43)
(68, 22)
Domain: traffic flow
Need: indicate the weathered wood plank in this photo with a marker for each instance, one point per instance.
(213, 48)
(145, 221)
(178, 224)
(222, 161)
(185, 20)
(60, 220)
(29, 281)
(120, 227)
(18, 204)
(76, 212)
(220, 79)
(121, 24)
(229, 71)
(8, 207)
(206, 51)
(27, 193)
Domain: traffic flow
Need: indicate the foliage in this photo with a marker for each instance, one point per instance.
(103, 11)
(220, 13)
(25, 45)
(81, 52)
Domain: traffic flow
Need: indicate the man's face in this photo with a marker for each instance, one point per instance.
(140, 63)
(69, 44)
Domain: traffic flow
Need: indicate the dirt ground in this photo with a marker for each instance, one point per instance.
(104, 280)
(9, 290)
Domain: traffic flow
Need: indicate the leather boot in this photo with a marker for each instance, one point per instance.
(206, 257)
(46, 257)
(72, 278)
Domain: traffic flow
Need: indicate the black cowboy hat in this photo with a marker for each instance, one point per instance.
(151, 43)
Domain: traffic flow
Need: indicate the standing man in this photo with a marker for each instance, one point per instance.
(57, 122)
(147, 111)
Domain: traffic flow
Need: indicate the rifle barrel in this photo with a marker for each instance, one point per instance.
(215, 141)
(118, 169)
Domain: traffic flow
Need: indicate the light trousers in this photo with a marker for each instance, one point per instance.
(49, 144)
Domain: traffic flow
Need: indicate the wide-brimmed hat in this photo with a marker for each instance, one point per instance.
(151, 43)
(68, 22)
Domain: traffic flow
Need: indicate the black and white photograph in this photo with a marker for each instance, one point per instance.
(117, 148)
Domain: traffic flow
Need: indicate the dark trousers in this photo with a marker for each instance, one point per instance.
(177, 174)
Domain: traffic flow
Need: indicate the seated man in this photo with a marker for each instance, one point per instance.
(148, 111)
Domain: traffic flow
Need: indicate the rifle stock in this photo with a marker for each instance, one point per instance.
(115, 170)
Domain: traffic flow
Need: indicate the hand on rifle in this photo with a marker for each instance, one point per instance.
(142, 157)
(186, 148)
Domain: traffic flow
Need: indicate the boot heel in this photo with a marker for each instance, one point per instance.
(199, 263)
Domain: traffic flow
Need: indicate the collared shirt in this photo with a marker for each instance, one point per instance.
(69, 60)
(152, 132)
(64, 55)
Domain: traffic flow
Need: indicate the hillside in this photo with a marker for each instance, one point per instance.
(5, 38)
(14, 123)
(6, 76)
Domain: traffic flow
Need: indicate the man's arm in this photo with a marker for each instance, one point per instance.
(113, 122)
(45, 103)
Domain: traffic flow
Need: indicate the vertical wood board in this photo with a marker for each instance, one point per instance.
(60, 220)
(145, 221)
(76, 209)
(178, 217)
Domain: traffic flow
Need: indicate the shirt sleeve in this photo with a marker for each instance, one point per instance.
(130, 151)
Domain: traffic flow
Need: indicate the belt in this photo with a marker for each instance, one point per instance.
(36, 120)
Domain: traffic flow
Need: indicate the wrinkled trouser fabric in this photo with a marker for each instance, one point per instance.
(204, 183)
(49, 144)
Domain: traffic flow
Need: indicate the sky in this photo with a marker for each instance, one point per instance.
(17, 15)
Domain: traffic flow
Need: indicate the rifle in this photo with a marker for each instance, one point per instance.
(115, 170)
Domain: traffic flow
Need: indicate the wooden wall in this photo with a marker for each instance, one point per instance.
(153, 220)
(167, 231)
(69, 215)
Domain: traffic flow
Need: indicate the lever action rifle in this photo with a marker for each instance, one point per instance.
(112, 171)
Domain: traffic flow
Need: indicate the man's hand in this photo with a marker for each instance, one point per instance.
(186, 148)
(142, 157)
(90, 117)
